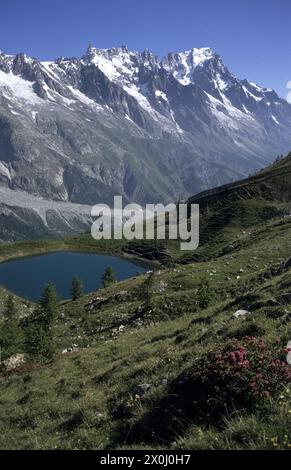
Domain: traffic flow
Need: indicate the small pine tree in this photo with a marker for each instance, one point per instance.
(10, 308)
(11, 338)
(204, 294)
(48, 303)
(39, 344)
(76, 288)
(147, 291)
(39, 338)
(11, 335)
(108, 277)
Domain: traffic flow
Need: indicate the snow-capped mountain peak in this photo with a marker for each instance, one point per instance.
(183, 64)
(121, 121)
(115, 63)
(119, 64)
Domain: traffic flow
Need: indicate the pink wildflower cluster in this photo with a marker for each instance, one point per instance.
(239, 358)
(249, 369)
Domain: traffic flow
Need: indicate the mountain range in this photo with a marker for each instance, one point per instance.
(179, 358)
(81, 130)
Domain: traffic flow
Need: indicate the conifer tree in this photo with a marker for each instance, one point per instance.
(147, 291)
(10, 308)
(11, 334)
(48, 303)
(39, 337)
(11, 338)
(204, 294)
(108, 277)
(76, 288)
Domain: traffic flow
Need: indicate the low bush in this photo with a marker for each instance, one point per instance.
(239, 375)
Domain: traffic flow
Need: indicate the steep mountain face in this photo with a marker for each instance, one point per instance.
(122, 122)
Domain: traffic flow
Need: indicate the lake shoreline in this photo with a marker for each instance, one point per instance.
(24, 249)
(27, 275)
(124, 256)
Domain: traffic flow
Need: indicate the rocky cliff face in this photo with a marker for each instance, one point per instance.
(122, 122)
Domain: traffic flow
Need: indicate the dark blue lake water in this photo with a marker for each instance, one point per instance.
(28, 276)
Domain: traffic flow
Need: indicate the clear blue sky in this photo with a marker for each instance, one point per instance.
(253, 36)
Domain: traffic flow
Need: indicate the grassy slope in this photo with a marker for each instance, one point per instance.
(88, 399)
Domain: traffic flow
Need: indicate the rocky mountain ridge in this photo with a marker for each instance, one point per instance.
(122, 122)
